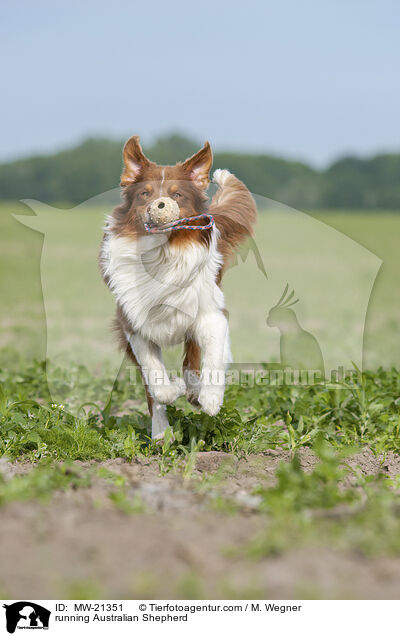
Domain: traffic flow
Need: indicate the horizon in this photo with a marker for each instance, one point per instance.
(216, 150)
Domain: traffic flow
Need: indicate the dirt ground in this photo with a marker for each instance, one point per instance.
(179, 545)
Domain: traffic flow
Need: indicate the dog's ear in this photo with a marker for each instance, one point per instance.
(198, 167)
(134, 161)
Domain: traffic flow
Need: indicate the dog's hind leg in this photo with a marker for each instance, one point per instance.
(160, 390)
(158, 412)
(159, 420)
(191, 371)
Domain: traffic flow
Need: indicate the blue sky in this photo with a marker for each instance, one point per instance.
(306, 79)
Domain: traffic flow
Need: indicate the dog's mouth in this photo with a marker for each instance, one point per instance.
(152, 226)
(199, 222)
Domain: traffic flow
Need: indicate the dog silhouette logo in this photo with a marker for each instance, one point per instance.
(333, 276)
(26, 615)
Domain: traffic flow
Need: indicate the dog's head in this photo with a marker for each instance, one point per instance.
(149, 187)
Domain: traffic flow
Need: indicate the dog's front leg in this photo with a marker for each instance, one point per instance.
(212, 334)
(162, 389)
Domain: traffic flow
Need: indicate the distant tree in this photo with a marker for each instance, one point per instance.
(79, 173)
(170, 149)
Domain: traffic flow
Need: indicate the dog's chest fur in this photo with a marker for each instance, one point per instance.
(163, 290)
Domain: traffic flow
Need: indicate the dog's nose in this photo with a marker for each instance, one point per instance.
(161, 205)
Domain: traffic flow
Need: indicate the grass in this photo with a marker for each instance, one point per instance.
(54, 414)
(40, 483)
(78, 319)
(332, 505)
(253, 419)
(324, 508)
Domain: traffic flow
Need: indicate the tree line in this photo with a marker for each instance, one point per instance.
(94, 166)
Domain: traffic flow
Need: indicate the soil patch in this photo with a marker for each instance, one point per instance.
(178, 544)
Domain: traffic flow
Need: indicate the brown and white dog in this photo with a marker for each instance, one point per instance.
(167, 285)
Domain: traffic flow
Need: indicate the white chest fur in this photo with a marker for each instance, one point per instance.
(163, 289)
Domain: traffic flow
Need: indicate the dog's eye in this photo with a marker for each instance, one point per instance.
(144, 193)
(176, 195)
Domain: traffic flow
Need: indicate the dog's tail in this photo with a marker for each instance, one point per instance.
(234, 211)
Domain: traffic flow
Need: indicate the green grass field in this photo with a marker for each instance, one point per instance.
(332, 501)
(79, 308)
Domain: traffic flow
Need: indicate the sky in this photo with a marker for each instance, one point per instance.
(310, 80)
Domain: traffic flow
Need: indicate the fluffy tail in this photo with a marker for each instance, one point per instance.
(234, 211)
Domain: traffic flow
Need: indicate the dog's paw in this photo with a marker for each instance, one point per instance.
(211, 399)
(168, 393)
(193, 386)
(221, 177)
(160, 438)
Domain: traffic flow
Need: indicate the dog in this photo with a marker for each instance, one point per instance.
(167, 281)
